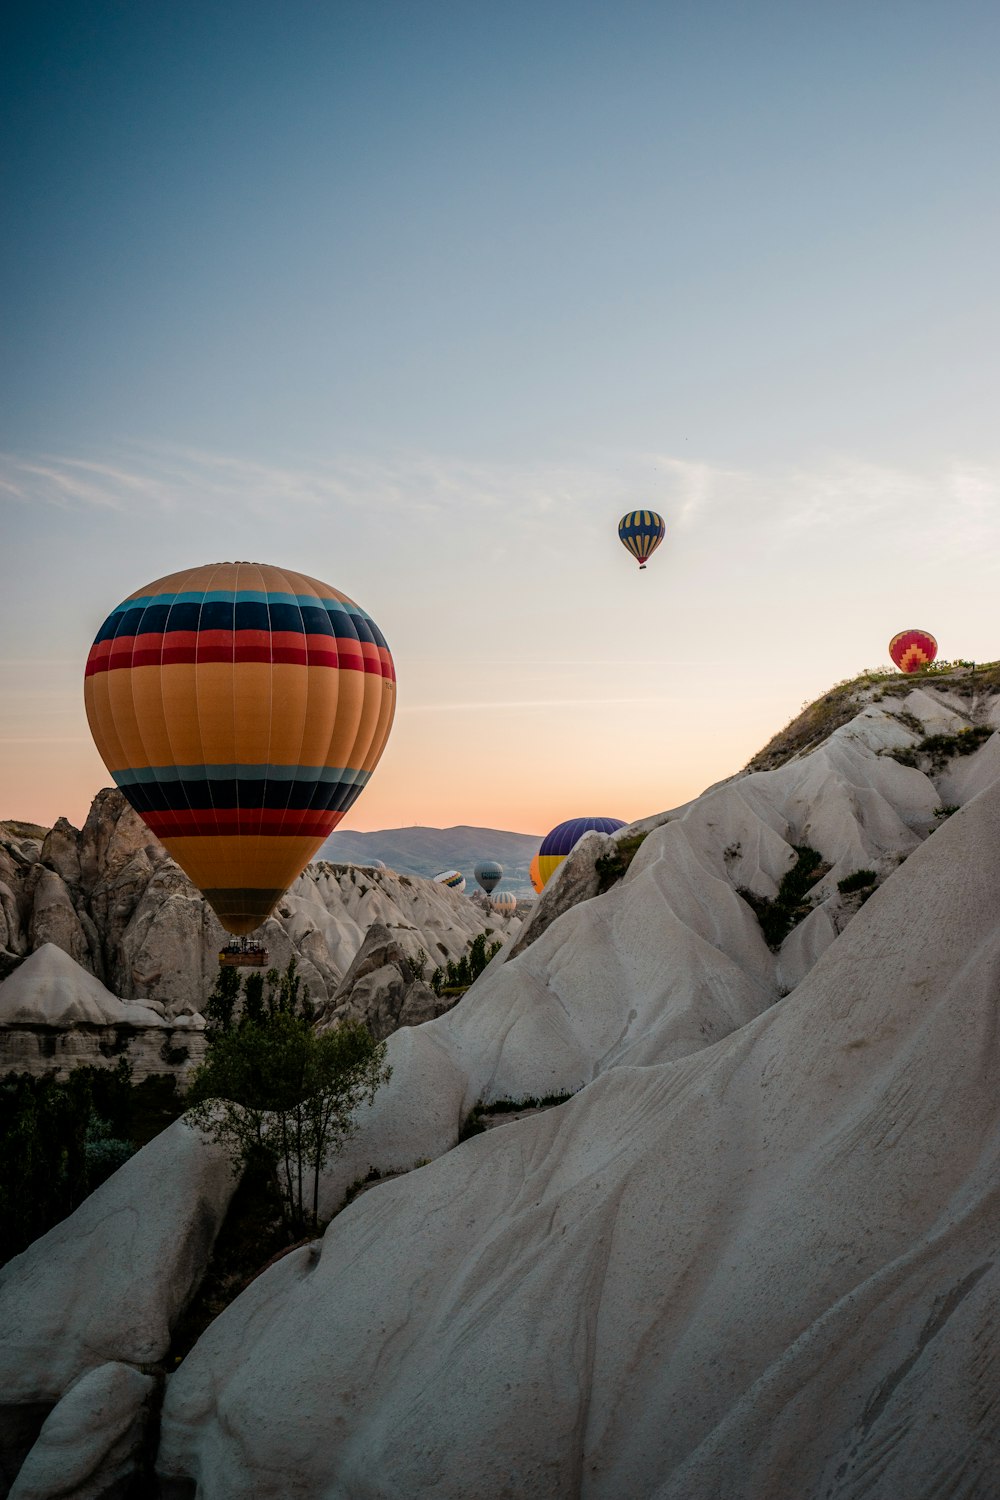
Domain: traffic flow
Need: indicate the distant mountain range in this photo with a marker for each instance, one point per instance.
(428, 851)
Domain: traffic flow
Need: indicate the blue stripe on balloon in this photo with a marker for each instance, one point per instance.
(566, 835)
(146, 775)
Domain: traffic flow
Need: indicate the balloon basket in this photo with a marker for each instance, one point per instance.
(243, 954)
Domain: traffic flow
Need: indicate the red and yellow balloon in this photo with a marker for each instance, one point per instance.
(913, 649)
(241, 709)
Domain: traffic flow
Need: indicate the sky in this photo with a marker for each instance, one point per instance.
(418, 299)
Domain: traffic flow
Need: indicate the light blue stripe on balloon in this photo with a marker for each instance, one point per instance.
(153, 775)
(242, 596)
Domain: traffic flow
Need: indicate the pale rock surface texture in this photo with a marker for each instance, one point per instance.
(90, 1446)
(383, 989)
(765, 1268)
(104, 1288)
(54, 1016)
(111, 897)
(671, 958)
(753, 1258)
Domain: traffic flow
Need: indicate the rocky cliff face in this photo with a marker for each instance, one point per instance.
(110, 897)
(753, 1256)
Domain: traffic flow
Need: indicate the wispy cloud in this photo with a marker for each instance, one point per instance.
(528, 703)
(778, 506)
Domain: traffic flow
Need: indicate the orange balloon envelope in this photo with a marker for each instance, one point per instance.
(241, 709)
(534, 875)
(912, 649)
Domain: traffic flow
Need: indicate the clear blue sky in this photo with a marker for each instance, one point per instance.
(420, 296)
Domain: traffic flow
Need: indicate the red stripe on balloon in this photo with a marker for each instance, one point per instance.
(283, 646)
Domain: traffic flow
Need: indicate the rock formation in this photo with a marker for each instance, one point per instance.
(110, 897)
(754, 1254)
(385, 987)
(54, 1016)
(101, 1290)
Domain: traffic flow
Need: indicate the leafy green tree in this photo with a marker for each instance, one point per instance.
(459, 973)
(59, 1139)
(271, 1087)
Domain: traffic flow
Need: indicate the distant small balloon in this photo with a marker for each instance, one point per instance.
(641, 532)
(913, 649)
(373, 864)
(535, 877)
(504, 903)
(453, 879)
(564, 837)
(489, 874)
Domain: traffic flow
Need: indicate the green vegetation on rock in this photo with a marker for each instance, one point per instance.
(459, 973)
(611, 867)
(273, 1090)
(60, 1139)
(792, 902)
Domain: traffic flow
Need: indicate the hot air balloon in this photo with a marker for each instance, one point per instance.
(535, 878)
(372, 864)
(557, 844)
(641, 531)
(453, 879)
(912, 649)
(241, 708)
(504, 903)
(489, 874)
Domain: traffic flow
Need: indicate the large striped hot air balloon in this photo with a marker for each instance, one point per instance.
(641, 531)
(912, 649)
(534, 876)
(557, 844)
(241, 709)
(488, 874)
(453, 879)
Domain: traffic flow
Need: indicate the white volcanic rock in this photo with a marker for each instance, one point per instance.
(54, 1016)
(763, 1269)
(89, 1445)
(112, 898)
(382, 990)
(60, 851)
(53, 916)
(107, 1284)
(671, 959)
(49, 989)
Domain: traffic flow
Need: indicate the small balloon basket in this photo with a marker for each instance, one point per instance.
(243, 953)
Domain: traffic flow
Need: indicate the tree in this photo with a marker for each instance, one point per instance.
(59, 1139)
(273, 1088)
(460, 973)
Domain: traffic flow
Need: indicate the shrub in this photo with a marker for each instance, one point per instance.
(611, 867)
(271, 1088)
(856, 882)
(459, 973)
(791, 904)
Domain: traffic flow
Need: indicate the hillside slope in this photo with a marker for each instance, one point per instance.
(753, 1256)
(752, 1265)
(428, 851)
(111, 897)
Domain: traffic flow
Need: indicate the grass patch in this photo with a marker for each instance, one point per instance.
(837, 707)
(475, 1121)
(792, 903)
(939, 749)
(817, 721)
(611, 867)
(861, 880)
